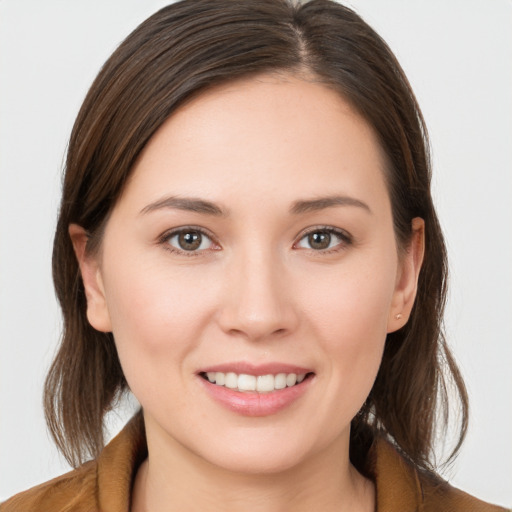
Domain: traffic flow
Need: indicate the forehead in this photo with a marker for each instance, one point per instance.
(258, 135)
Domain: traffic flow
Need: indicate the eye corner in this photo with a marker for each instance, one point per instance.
(201, 243)
(324, 244)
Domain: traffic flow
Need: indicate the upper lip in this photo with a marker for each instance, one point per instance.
(272, 368)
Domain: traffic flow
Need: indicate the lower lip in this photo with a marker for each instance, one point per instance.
(251, 403)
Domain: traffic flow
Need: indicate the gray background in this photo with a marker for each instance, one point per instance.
(458, 57)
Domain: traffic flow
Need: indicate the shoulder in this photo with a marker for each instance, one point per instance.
(101, 484)
(442, 496)
(73, 491)
(401, 486)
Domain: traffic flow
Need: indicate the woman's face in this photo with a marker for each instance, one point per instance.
(254, 239)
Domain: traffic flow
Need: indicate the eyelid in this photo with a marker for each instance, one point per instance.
(164, 238)
(346, 238)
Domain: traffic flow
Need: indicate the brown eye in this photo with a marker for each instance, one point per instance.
(189, 240)
(319, 240)
(323, 239)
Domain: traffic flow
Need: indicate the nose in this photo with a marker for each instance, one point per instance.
(257, 300)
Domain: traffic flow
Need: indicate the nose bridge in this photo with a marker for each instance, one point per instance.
(257, 301)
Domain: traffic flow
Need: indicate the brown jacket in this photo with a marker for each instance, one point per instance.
(104, 485)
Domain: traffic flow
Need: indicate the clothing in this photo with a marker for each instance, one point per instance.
(104, 485)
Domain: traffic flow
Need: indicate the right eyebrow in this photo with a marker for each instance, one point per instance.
(190, 204)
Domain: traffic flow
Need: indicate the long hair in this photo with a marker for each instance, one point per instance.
(176, 54)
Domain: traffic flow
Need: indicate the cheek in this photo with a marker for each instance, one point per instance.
(156, 317)
(154, 298)
(352, 299)
(350, 319)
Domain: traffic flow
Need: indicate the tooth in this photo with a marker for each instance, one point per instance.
(291, 379)
(262, 383)
(246, 382)
(280, 381)
(231, 380)
(265, 383)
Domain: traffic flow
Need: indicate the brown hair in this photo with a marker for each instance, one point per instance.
(177, 53)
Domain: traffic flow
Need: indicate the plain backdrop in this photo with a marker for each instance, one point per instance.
(458, 56)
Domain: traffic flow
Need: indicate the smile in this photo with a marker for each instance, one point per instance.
(261, 384)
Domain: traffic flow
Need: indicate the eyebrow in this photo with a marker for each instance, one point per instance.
(189, 204)
(313, 205)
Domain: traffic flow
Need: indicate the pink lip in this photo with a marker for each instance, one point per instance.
(252, 403)
(256, 369)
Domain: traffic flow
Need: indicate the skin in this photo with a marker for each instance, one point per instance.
(257, 292)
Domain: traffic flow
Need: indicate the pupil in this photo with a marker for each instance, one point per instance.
(189, 240)
(319, 240)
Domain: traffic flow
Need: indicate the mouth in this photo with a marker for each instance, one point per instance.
(256, 390)
(261, 384)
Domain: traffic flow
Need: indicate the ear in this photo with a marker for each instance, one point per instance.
(97, 311)
(407, 277)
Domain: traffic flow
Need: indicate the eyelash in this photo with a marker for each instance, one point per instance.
(168, 235)
(346, 240)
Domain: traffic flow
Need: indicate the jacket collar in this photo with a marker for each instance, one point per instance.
(397, 484)
(118, 464)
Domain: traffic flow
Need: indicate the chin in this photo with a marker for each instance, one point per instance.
(258, 462)
(269, 449)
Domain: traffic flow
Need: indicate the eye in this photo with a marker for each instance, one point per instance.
(190, 240)
(322, 239)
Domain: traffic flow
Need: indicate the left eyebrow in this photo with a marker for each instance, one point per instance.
(320, 203)
(190, 204)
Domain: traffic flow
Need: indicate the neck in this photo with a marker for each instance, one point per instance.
(173, 478)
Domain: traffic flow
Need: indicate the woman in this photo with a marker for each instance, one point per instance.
(275, 156)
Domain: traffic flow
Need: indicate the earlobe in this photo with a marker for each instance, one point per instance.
(97, 310)
(407, 280)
